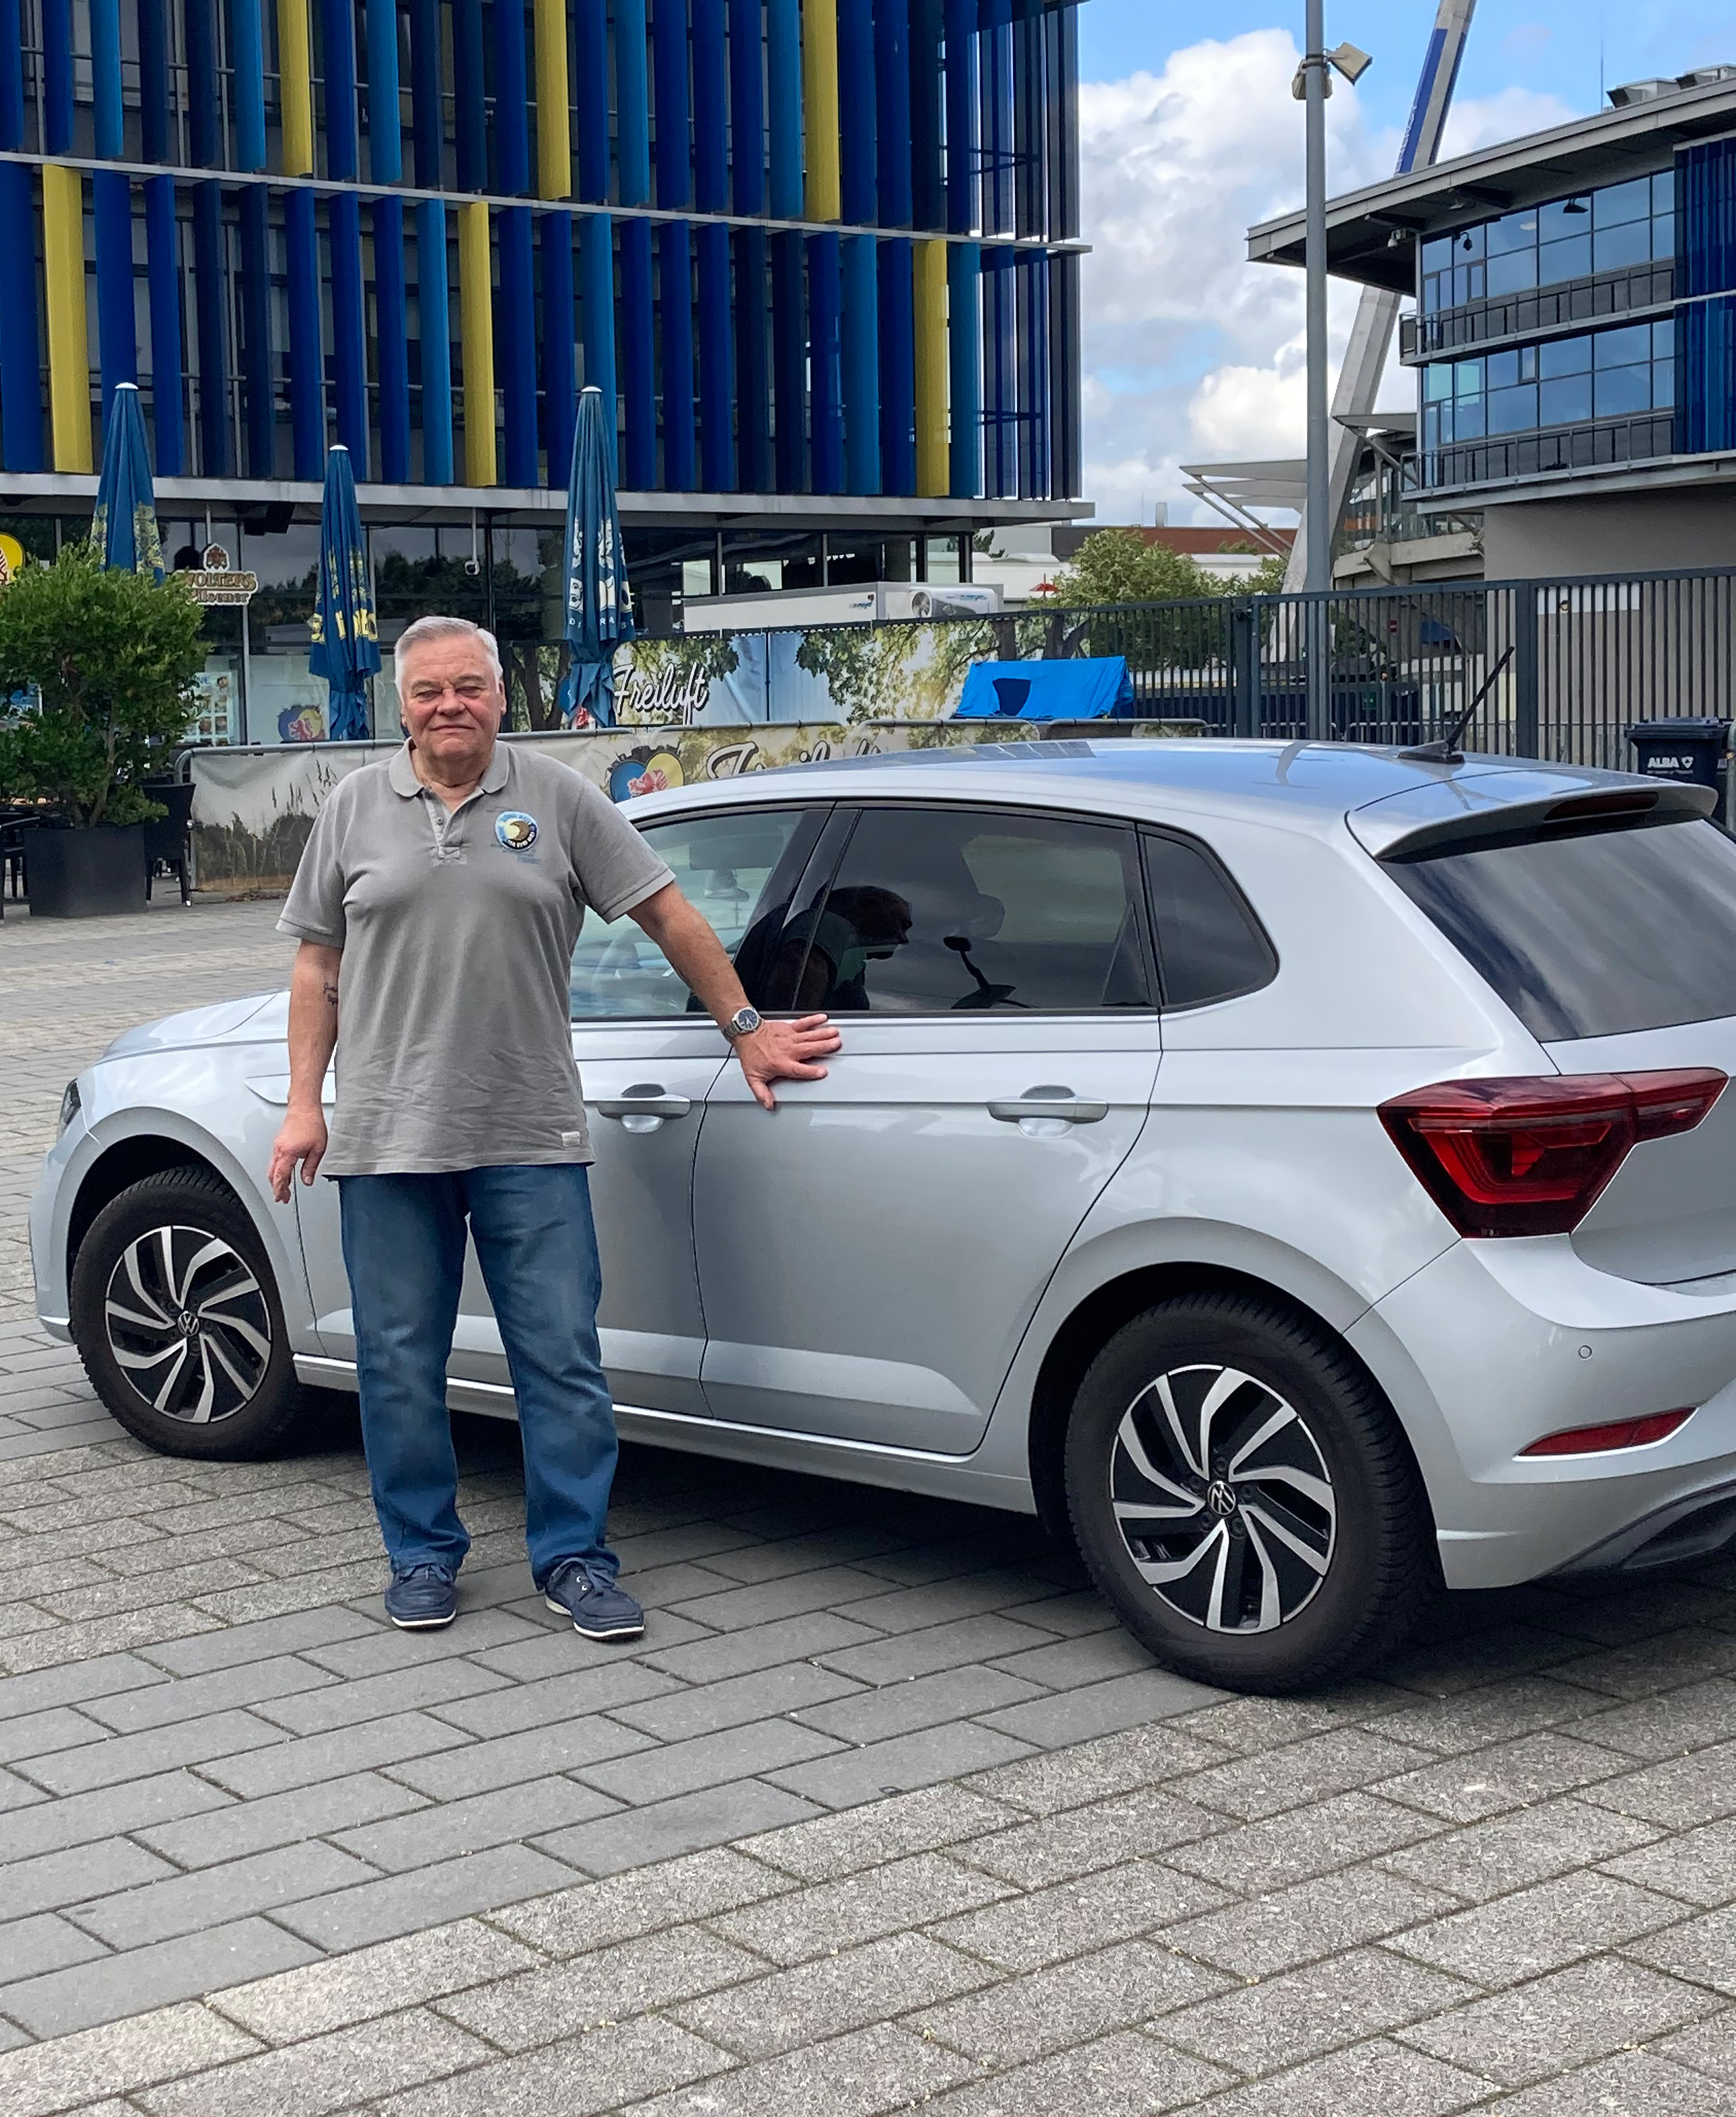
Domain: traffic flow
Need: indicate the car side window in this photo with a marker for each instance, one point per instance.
(726, 863)
(1210, 946)
(959, 910)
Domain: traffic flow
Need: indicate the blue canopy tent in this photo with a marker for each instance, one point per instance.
(1094, 689)
(346, 645)
(599, 617)
(124, 526)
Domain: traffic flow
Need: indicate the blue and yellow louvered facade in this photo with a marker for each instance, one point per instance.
(806, 246)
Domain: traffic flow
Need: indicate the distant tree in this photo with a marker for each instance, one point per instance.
(1118, 566)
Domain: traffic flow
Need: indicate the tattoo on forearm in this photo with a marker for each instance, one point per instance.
(330, 992)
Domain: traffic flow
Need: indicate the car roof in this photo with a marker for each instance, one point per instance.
(1299, 786)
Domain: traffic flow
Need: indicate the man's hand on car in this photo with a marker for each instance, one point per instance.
(785, 1051)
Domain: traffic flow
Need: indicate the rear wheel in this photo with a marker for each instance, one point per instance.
(176, 1315)
(1244, 1496)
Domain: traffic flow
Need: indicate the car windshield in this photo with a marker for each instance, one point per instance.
(1595, 934)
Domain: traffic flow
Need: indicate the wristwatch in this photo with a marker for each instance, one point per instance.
(743, 1022)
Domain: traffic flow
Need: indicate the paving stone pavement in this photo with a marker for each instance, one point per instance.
(883, 1812)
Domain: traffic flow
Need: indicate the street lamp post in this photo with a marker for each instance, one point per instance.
(1315, 91)
(1313, 85)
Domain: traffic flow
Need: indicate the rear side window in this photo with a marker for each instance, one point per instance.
(1595, 934)
(1210, 946)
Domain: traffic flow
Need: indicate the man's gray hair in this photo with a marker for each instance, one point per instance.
(426, 629)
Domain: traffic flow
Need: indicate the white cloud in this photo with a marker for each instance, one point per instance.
(1191, 352)
(1484, 120)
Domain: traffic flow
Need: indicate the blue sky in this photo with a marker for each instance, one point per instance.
(1188, 134)
(1551, 46)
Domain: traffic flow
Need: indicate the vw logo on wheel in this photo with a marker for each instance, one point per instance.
(187, 1324)
(1223, 1498)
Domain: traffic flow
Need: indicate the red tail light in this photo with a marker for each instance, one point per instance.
(1529, 1156)
(1619, 1433)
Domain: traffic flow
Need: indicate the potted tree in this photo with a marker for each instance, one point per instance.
(110, 656)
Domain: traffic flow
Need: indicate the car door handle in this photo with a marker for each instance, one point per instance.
(1047, 1102)
(647, 1101)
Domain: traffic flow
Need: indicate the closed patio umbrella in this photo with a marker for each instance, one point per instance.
(346, 646)
(124, 526)
(599, 615)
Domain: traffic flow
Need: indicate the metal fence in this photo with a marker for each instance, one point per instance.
(1566, 667)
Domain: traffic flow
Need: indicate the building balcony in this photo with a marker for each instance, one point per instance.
(1467, 465)
(1536, 312)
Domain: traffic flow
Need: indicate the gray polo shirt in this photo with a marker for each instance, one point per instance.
(454, 1049)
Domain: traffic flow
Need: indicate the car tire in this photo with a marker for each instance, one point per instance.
(1244, 1498)
(176, 1315)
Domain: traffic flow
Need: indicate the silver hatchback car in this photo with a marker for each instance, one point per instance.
(1300, 1175)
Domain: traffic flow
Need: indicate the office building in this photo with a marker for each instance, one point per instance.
(821, 256)
(1573, 341)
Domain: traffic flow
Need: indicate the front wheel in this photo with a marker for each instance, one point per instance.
(1244, 1498)
(176, 1317)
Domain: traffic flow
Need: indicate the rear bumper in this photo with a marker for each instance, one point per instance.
(1686, 1529)
(1497, 1343)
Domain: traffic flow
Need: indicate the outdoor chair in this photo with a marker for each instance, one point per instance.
(168, 840)
(16, 825)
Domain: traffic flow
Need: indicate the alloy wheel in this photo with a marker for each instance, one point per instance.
(1223, 1499)
(187, 1323)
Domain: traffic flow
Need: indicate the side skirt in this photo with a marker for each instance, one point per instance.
(818, 1455)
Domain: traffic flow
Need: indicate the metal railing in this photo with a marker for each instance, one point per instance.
(1569, 664)
(1576, 662)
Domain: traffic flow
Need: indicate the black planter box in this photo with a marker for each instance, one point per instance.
(81, 874)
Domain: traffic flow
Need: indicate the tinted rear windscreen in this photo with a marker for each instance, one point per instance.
(1595, 934)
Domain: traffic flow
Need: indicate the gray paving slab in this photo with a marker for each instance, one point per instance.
(186, 1903)
(328, 2073)
(331, 1807)
(141, 1978)
(426, 1896)
(663, 1830)
(444, 1830)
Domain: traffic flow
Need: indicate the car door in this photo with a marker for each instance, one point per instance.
(870, 1253)
(647, 1056)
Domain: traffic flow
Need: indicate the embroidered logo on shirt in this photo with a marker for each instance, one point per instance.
(516, 831)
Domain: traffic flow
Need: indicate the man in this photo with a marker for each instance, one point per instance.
(437, 906)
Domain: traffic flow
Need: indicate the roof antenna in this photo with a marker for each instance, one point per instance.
(1445, 750)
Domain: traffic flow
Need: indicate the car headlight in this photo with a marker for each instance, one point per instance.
(69, 1106)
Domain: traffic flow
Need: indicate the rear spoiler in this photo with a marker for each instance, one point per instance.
(1519, 807)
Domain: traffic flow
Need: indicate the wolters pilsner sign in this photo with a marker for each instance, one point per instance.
(216, 582)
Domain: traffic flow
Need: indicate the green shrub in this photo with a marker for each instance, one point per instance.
(112, 656)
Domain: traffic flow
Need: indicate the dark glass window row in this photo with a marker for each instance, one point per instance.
(1580, 302)
(1564, 382)
(1610, 230)
(1640, 439)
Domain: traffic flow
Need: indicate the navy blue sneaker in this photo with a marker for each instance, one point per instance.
(422, 1598)
(586, 1592)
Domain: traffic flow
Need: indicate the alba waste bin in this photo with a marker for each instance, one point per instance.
(1690, 748)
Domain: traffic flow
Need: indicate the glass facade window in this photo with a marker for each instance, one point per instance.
(1598, 374)
(1608, 375)
(1612, 230)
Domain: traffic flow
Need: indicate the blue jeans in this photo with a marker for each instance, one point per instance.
(404, 1248)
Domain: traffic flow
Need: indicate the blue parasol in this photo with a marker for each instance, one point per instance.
(346, 645)
(598, 616)
(124, 527)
